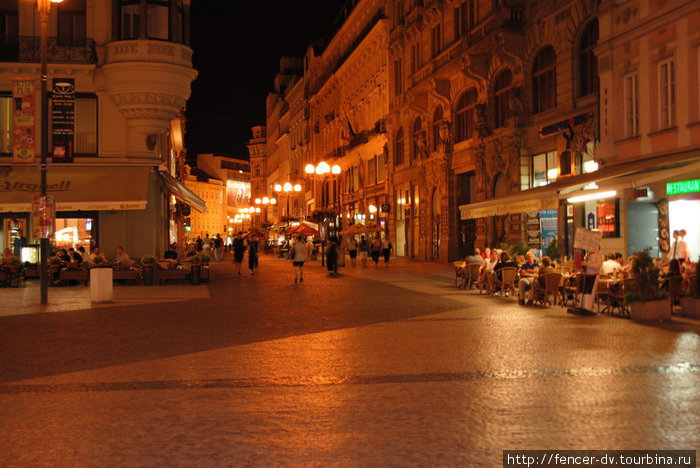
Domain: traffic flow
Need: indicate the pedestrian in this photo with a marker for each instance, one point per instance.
(218, 248)
(297, 255)
(252, 255)
(238, 251)
(364, 250)
(375, 249)
(198, 244)
(352, 250)
(332, 256)
(386, 250)
(206, 245)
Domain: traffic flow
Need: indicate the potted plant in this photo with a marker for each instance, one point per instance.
(646, 300)
(148, 263)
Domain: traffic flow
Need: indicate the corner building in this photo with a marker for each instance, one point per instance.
(132, 69)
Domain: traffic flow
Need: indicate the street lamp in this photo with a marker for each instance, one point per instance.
(323, 170)
(44, 7)
(287, 188)
(264, 201)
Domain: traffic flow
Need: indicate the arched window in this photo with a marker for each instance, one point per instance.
(588, 63)
(544, 80)
(437, 119)
(464, 115)
(501, 93)
(398, 147)
(418, 138)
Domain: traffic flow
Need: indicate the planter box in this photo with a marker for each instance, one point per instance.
(651, 311)
(690, 307)
(74, 275)
(177, 275)
(129, 275)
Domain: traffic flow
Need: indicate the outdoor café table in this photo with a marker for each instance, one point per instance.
(606, 288)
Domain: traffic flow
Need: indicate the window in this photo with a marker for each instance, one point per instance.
(71, 23)
(461, 20)
(130, 15)
(158, 24)
(398, 77)
(157, 20)
(437, 120)
(501, 94)
(631, 97)
(372, 171)
(85, 126)
(544, 81)
(9, 30)
(667, 94)
(464, 115)
(381, 168)
(415, 58)
(544, 169)
(436, 40)
(257, 170)
(398, 148)
(588, 63)
(398, 11)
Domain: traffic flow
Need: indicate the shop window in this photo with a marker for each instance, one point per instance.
(588, 63)
(667, 94)
(544, 169)
(437, 119)
(501, 93)
(544, 81)
(631, 104)
(464, 115)
(399, 148)
(85, 125)
(608, 217)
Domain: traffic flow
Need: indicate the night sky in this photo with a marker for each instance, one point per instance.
(237, 46)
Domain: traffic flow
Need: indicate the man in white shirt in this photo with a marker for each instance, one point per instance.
(679, 249)
(610, 266)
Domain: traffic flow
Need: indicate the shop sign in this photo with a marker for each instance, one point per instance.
(685, 186)
(386, 208)
(62, 119)
(43, 217)
(564, 125)
(24, 109)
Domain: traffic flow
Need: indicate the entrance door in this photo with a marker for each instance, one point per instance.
(642, 227)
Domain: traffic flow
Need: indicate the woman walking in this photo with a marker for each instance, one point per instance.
(238, 251)
(375, 249)
(352, 250)
(364, 250)
(252, 255)
(386, 250)
(298, 257)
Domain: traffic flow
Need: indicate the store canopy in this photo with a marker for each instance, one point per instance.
(87, 188)
(181, 192)
(628, 174)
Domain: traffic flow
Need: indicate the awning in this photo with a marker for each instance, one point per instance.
(627, 174)
(87, 188)
(181, 192)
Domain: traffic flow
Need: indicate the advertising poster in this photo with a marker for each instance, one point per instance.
(24, 110)
(548, 226)
(62, 119)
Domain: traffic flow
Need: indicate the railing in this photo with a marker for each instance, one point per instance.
(60, 50)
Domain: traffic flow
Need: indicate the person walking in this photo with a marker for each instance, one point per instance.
(298, 255)
(375, 249)
(218, 248)
(332, 256)
(252, 255)
(386, 250)
(352, 250)
(238, 251)
(364, 250)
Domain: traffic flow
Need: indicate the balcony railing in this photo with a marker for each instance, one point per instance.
(60, 50)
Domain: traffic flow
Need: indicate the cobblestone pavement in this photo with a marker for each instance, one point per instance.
(374, 368)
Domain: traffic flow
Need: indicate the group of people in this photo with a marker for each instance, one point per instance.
(239, 247)
(95, 256)
(207, 245)
(373, 247)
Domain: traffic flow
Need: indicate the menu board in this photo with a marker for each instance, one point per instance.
(532, 227)
(588, 240)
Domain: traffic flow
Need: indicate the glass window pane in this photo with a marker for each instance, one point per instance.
(539, 170)
(158, 22)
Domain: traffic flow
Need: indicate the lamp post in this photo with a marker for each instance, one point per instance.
(324, 171)
(44, 7)
(287, 189)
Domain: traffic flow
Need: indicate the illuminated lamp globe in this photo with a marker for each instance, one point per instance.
(257, 210)
(309, 169)
(278, 188)
(258, 201)
(273, 201)
(265, 200)
(335, 169)
(297, 187)
(323, 168)
(287, 187)
(372, 209)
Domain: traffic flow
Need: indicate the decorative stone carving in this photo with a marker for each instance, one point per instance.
(445, 135)
(515, 103)
(480, 121)
(476, 68)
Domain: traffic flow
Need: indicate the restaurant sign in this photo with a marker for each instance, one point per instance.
(62, 119)
(685, 186)
(24, 109)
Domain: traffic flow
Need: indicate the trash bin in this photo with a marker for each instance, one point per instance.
(101, 285)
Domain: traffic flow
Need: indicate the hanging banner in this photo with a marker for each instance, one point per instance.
(548, 227)
(24, 110)
(62, 119)
(43, 217)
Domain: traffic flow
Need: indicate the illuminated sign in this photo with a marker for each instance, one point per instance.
(684, 186)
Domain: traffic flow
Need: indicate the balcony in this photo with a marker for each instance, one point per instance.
(26, 50)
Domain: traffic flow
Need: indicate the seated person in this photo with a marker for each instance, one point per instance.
(610, 266)
(63, 255)
(95, 254)
(674, 269)
(545, 269)
(85, 256)
(170, 254)
(476, 258)
(506, 261)
(528, 273)
(486, 270)
(122, 258)
(7, 256)
(75, 257)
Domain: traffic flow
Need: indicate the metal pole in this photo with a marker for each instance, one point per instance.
(44, 242)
